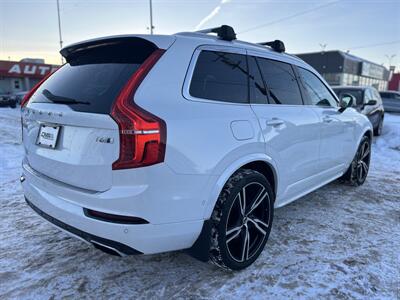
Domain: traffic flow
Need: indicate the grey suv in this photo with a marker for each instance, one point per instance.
(391, 101)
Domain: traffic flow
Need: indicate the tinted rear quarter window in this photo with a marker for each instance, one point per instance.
(220, 76)
(281, 82)
(92, 79)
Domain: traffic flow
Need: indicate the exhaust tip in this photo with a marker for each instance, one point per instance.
(107, 249)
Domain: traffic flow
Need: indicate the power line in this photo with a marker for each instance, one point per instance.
(289, 17)
(375, 45)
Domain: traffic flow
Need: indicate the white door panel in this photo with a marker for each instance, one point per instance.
(292, 139)
(337, 140)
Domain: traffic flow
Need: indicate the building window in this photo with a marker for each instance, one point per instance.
(17, 84)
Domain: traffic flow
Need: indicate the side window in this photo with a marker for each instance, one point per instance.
(220, 76)
(377, 97)
(258, 92)
(317, 93)
(281, 82)
(368, 95)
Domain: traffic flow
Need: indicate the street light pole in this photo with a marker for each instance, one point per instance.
(59, 28)
(390, 58)
(151, 17)
(323, 47)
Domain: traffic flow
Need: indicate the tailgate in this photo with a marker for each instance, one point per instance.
(68, 132)
(86, 145)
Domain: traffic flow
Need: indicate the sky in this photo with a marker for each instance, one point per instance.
(369, 29)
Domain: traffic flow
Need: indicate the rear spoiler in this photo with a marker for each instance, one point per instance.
(157, 41)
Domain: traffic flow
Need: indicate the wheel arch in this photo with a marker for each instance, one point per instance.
(266, 169)
(367, 133)
(258, 162)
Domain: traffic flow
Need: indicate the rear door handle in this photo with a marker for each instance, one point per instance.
(275, 122)
(327, 119)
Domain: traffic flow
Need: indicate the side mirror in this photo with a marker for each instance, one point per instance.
(371, 102)
(345, 102)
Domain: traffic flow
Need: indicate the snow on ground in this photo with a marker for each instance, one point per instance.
(338, 242)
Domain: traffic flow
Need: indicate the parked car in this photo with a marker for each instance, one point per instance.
(19, 96)
(7, 100)
(367, 101)
(143, 144)
(391, 101)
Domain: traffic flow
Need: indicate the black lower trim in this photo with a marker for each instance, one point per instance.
(86, 236)
(111, 218)
(201, 248)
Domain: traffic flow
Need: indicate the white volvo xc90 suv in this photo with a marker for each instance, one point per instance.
(142, 144)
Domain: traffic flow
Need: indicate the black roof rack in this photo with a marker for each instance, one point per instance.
(224, 32)
(276, 45)
(227, 33)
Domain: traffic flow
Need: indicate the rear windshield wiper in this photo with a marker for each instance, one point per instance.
(60, 99)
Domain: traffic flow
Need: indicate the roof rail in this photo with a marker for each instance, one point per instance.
(224, 32)
(276, 45)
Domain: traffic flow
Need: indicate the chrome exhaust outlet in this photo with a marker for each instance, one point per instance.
(107, 249)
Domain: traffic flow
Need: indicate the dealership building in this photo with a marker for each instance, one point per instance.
(20, 76)
(341, 68)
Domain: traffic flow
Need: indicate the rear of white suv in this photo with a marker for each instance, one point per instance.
(146, 144)
(94, 158)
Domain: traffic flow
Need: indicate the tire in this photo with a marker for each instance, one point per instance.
(359, 167)
(378, 129)
(244, 211)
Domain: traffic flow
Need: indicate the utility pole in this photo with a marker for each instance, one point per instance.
(59, 28)
(151, 17)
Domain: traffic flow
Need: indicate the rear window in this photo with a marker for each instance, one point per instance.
(92, 79)
(220, 76)
(386, 95)
(390, 95)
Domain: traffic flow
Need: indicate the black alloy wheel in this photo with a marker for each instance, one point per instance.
(363, 160)
(358, 170)
(242, 220)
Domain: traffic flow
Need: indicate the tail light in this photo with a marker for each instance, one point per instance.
(33, 90)
(142, 135)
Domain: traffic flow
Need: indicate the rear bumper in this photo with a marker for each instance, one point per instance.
(118, 247)
(66, 211)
